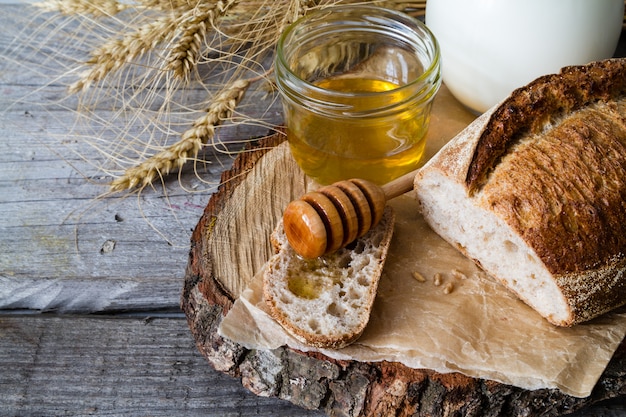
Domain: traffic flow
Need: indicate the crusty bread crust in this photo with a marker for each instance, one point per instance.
(531, 108)
(563, 190)
(550, 163)
(339, 288)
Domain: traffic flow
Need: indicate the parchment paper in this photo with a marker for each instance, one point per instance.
(479, 329)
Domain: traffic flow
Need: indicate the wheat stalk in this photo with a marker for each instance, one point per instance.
(107, 8)
(176, 155)
(193, 29)
(167, 4)
(115, 53)
(95, 8)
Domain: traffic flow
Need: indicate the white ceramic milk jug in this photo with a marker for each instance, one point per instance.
(491, 47)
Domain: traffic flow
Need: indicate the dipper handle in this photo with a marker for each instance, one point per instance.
(335, 215)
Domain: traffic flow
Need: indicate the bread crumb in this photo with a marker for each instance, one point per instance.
(458, 274)
(448, 288)
(418, 277)
(437, 279)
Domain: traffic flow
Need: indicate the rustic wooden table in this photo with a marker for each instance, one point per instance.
(89, 289)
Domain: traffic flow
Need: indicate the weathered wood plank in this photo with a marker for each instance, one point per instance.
(54, 234)
(113, 366)
(62, 248)
(104, 365)
(57, 241)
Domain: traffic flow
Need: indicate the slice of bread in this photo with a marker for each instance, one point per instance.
(326, 302)
(535, 192)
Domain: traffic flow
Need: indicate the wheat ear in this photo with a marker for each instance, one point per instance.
(115, 53)
(166, 4)
(185, 54)
(73, 7)
(189, 145)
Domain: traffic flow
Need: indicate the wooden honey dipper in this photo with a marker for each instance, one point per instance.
(335, 215)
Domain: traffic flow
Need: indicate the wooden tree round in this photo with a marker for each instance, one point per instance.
(347, 388)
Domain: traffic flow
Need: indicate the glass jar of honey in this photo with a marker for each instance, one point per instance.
(357, 84)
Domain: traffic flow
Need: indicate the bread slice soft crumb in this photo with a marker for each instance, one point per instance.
(484, 237)
(326, 302)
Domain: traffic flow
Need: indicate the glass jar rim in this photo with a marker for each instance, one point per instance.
(377, 12)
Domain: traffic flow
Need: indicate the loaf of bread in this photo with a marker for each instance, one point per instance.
(535, 192)
(326, 302)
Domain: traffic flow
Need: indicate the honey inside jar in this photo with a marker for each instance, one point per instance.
(357, 85)
(378, 149)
